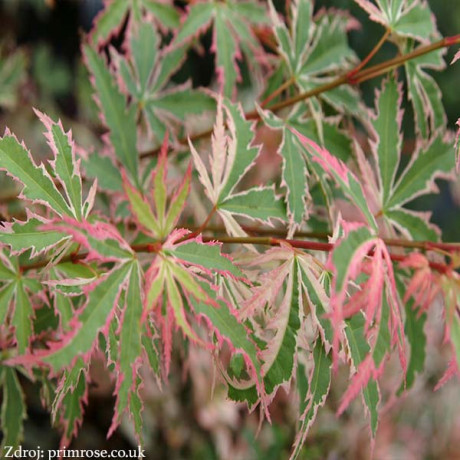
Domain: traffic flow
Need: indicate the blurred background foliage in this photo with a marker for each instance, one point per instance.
(40, 67)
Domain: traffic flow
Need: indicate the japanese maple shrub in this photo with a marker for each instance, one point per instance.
(170, 235)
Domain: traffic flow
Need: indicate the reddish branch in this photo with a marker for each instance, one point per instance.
(155, 247)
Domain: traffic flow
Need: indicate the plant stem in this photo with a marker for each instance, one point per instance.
(278, 91)
(155, 246)
(200, 229)
(372, 53)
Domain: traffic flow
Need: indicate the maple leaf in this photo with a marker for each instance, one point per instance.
(406, 18)
(231, 158)
(373, 308)
(160, 221)
(298, 169)
(39, 187)
(232, 23)
(417, 178)
(146, 71)
(314, 49)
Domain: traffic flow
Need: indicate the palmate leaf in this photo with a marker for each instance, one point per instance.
(407, 18)
(146, 72)
(231, 158)
(282, 322)
(279, 356)
(91, 319)
(295, 173)
(256, 203)
(232, 23)
(225, 325)
(436, 160)
(429, 162)
(22, 317)
(376, 293)
(314, 50)
(168, 279)
(15, 306)
(205, 256)
(159, 220)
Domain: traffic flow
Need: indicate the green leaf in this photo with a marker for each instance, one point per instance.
(130, 345)
(417, 22)
(383, 343)
(318, 299)
(387, 126)
(245, 155)
(144, 46)
(279, 359)
(414, 329)
(13, 409)
(329, 48)
(252, 11)
(120, 120)
(151, 350)
(181, 103)
(437, 160)
(109, 20)
(166, 14)
(331, 137)
(72, 401)
(227, 326)
(38, 185)
(206, 256)
(102, 168)
(22, 315)
(6, 273)
(142, 210)
(177, 204)
(226, 49)
(319, 384)
(302, 27)
(66, 168)
(256, 203)
(416, 226)
(91, 320)
(169, 63)
(359, 349)
(294, 176)
(199, 16)
(6, 296)
(424, 92)
(12, 73)
(27, 235)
